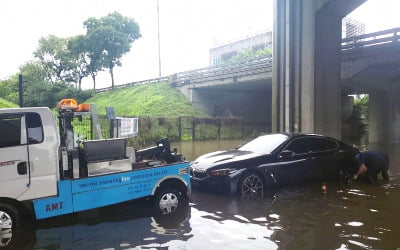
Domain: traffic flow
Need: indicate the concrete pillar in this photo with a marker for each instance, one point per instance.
(306, 65)
(384, 115)
(378, 101)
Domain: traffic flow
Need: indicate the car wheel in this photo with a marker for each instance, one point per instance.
(168, 201)
(9, 220)
(251, 186)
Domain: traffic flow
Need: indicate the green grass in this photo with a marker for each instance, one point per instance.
(154, 100)
(7, 104)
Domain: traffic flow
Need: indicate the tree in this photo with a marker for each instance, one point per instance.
(248, 54)
(9, 89)
(360, 103)
(113, 45)
(111, 37)
(54, 55)
(36, 85)
(80, 60)
(38, 90)
(33, 73)
(94, 52)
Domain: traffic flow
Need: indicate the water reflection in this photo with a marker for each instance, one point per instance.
(356, 216)
(122, 226)
(298, 217)
(230, 223)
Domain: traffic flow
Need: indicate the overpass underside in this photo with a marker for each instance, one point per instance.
(235, 90)
(249, 98)
(377, 73)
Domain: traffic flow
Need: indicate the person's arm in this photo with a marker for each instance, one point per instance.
(361, 170)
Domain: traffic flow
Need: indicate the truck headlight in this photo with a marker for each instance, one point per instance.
(224, 171)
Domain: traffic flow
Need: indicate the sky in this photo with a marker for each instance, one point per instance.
(188, 29)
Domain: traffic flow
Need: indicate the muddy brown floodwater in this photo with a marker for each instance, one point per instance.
(357, 216)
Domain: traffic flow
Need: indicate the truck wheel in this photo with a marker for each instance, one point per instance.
(9, 223)
(168, 201)
(251, 186)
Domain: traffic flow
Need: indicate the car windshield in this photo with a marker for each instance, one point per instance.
(264, 144)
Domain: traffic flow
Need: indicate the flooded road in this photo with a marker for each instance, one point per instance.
(357, 216)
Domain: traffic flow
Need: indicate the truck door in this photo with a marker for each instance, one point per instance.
(14, 176)
(42, 146)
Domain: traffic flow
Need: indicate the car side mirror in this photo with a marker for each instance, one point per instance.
(285, 154)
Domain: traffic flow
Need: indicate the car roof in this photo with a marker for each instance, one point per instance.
(297, 134)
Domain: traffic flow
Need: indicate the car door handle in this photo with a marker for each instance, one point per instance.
(22, 168)
(272, 176)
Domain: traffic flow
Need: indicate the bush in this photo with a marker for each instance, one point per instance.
(7, 104)
(361, 104)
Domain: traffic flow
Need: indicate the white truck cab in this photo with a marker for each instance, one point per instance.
(44, 173)
(29, 157)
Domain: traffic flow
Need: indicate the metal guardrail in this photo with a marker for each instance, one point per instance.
(383, 37)
(264, 64)
(154, 80)
(259, 64)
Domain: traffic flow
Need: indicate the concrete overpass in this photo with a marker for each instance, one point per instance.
(371, 65)
(242, 89)
(371, 60)
(245, 89)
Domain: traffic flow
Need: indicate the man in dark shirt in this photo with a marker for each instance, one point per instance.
(371, 163)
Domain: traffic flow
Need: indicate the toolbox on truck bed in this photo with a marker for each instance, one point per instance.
(103, 150)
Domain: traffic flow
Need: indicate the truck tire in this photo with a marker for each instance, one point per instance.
(168, 201)
(10, 221)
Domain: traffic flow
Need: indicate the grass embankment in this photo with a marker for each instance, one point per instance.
(7, 104)
(158, 107)
(154, 100)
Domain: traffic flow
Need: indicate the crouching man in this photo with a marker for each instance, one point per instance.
(370, 164)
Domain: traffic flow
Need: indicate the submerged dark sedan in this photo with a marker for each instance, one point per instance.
(273, 160)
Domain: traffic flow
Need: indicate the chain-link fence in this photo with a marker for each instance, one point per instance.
(175, 129)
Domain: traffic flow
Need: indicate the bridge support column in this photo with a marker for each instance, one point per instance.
(306, 65)
(384, 115)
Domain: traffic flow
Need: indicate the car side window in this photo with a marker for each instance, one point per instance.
(322, 144)
(300, 146)
(10, 131)
(35, 128)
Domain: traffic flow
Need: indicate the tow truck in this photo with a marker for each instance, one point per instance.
(46, 172)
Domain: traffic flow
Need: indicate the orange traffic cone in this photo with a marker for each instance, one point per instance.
(324, 190)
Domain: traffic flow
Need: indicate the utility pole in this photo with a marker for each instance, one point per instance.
(159, 50)
(21, 90)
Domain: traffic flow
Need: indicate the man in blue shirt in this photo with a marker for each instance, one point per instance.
(371, 163)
